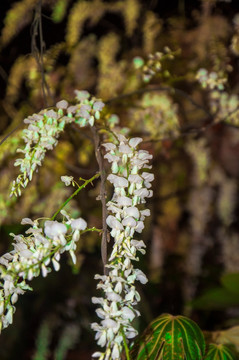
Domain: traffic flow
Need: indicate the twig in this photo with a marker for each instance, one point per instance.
(38, 55)
(159, 88)
(9, 134)
(75, 193)
(100, 162)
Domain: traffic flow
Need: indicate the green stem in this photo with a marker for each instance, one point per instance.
(125, 345)
(75, 193)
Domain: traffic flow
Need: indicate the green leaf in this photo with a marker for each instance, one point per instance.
(231, 283)
(59, 10)
(217, 298)
(220, 352)
(170, 338)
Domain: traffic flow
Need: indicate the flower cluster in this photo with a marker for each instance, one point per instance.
(32, 254)
(131, 188)
(44, 129)
(88, 110)
(223, 106)
(235, 38)
(154, 63)
(210, 80)
(157, 115)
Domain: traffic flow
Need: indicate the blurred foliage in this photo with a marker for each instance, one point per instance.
(221, 297)
(108, 47)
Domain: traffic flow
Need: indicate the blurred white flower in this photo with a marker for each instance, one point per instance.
(67, 180)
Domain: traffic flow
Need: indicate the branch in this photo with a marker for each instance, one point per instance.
(38, 55)
(75, 193)
(100, 162)
(160, 88)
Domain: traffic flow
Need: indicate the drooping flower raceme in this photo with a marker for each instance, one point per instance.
(32, 254)
(131, 188)
(45, 128)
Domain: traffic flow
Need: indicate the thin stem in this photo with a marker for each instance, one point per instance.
(100, 162)
(159, 88)
(37, 30)
(75, 193)
(125, 345)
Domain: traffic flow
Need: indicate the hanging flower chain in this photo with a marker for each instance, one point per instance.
(131, 188)
(31, 255)
(44, 129)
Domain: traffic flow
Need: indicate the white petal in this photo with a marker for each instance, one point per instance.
(109, 146)
(124, 201)
(97, 354)
(102, 339)
(129, 221)
(109, 323)
(147, 176)
(135, 142)
(132, 211)
(79, 224)
(112, 296)
(27, 221)
(141, 276)
(114, 223)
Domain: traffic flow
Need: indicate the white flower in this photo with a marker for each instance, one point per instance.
(97, 354)
(27, 221)
(127, 313)
(133, 142)
(102, 340)
(132, 211)
(54, 228)
(114, 223)
(129, 221)
(98, 105)
(78, 224)
(141, 276)
(82, 95)
(109, 146)
(109, 323)
(63, 104)
(115, 352)
(124, 201)
(148, 176)
(67, 180)
(125, 149)
(118, 181)
(112, 296)
(111, 157)
(135, 178)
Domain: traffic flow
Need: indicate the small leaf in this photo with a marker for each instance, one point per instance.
(220, 352)
(170, 338)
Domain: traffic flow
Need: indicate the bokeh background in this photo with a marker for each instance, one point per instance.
(192, 237)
